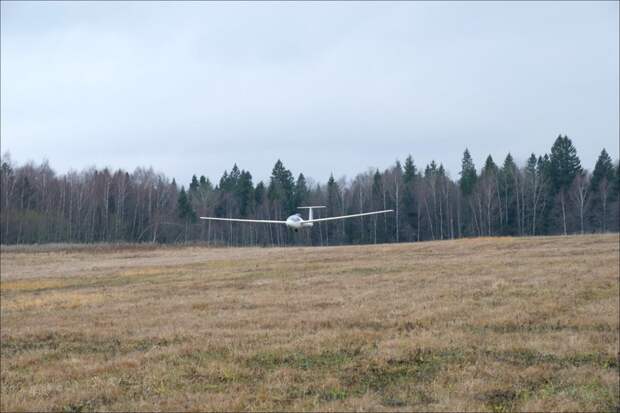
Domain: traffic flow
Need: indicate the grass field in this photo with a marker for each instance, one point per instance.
(493, 324)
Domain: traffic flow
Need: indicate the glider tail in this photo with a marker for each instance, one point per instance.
(309, 208)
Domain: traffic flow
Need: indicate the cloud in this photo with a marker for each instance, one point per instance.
(327, 87)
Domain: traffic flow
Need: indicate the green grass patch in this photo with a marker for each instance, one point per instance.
(419, 366)
(527, 357)
(512, 327)
(298, 360)
(62, 344)
(333, 394)
(500, 400)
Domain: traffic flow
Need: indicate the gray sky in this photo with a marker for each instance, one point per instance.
(327, 87)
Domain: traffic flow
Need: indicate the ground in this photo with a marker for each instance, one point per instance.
(491, 324)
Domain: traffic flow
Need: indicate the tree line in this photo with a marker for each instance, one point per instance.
(551, 194)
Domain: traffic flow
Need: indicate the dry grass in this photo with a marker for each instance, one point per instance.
(495, 324)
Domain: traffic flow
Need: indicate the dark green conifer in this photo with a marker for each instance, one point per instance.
(468, 174)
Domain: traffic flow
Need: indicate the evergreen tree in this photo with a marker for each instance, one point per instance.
(534, 191)
(301, 190)
(430, 170)
(377, 190)
(205, 184)
(467, 183)
(224, 182)
(333, 197)
(490, 168)
(245, 193)
(281, 188)
(508, 181)
(441, 171)
(398, 168)
(488, 201)
(229, 181)
(410, 207)
(565, 164)
(224, 193)
(234, 175)
(543, 170)
(410, 170)
(509, 167)
(377, 203)
(601, 191)
(194, 185)
(332, 193)
(184, 208)
(603, 171)
(185, 211)
(530, 167)
(468, 174)
(259, 193)
(564, 167)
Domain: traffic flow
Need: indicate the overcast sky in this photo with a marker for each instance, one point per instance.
(327, 87)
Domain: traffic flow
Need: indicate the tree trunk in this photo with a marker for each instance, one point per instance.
(563, 211)
(397, 233)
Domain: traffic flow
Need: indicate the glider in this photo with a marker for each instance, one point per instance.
(296, 222)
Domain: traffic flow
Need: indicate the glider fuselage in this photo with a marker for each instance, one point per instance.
(296, 222)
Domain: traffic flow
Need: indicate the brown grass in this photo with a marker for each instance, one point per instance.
(494, 324)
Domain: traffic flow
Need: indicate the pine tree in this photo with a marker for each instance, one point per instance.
(564, 167)
(398, 168)
(259, 193)
(543, 170)
(245, 194)
(410, 208)
(530, 167)
(467, 184)
(603, 171)
(205, 184)
(442, 188)
(281, 188)
(487, 194)
(601, 190)
(378, 202)
(184, 208)
(193, 186)
(234, 176)
(430, 170)
(410, 170)
(224, 182)
(468, 174)
(509, 189)
(490, 168)
(534, 191)
(185, 211)
(301, 190)
(332, 193)
(333, 198)
(565, 164)
(509, 167)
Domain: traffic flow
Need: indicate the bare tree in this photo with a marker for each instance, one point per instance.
(579, 195)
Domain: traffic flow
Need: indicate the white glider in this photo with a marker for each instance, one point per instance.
(296, 222)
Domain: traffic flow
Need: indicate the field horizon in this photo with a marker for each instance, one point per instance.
(475, 324)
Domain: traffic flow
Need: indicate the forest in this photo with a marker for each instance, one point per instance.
(551, 194)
